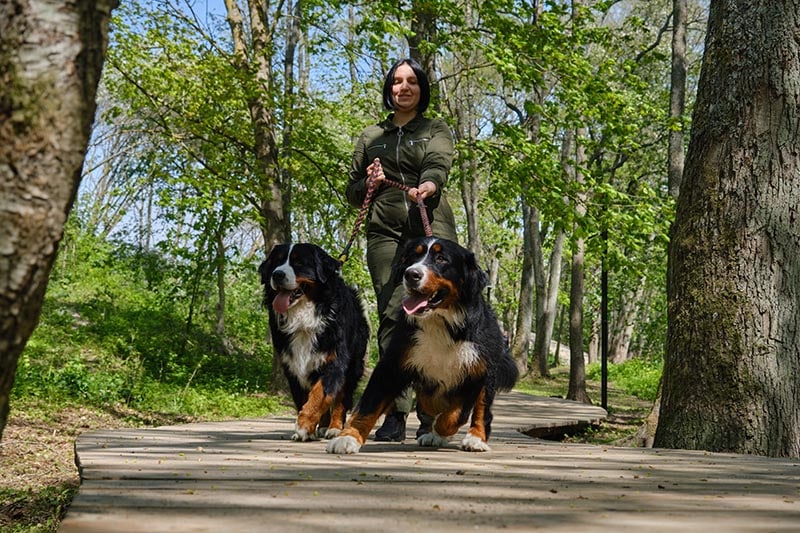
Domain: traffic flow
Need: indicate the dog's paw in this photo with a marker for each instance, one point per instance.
(332, 433)
(471, 443)
(343, 445)
(432, 440)
(303, 435)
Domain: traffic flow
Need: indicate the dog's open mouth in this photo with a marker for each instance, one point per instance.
(416, 303)
(285, 298)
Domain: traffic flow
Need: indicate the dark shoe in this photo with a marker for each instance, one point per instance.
(424, 427)
(393, 428)
(425, 423)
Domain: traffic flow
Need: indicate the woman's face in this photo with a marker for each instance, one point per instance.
(405, 90)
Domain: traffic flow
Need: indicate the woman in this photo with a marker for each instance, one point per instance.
(418, 152)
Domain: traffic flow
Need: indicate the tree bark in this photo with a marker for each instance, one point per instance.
(51, 58)
(733, 356)
(577, 291)
(546, 321)
(677, 95)
(522, 334)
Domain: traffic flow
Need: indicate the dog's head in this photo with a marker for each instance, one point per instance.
(295, 271)
(439, 276)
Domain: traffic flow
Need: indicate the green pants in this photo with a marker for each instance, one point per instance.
(383, 252)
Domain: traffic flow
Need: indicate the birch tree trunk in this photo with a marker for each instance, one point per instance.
(733, 356)
(51, 57)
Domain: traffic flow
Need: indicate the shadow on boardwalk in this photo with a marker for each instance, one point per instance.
(248, 476)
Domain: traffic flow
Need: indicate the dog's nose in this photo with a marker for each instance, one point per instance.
(413, 274)
(278, 276)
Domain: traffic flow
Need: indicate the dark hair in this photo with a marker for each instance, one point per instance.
(422, 81)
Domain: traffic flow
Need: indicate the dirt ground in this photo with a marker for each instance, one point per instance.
(38, 476)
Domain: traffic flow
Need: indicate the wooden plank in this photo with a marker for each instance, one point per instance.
(247, 475)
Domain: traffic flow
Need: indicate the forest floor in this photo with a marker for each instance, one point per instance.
(38, 476)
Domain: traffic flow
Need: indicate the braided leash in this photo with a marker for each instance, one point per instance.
(376, 167)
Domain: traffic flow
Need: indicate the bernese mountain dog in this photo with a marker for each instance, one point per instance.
(319, 334)
(447, 344)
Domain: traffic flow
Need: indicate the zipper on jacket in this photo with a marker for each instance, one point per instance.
(411, 142)
(399, 166)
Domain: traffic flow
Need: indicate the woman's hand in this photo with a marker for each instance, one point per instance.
(425, 190)
(379, 176)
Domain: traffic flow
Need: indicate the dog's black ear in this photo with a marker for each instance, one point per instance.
(476, 278)
(263, 269)
(327, 266)
(401, 263)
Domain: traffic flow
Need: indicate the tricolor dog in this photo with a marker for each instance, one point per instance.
(448, 344)
(319, 333)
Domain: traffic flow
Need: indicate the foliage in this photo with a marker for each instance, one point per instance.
(113, 331)
(169, 224)
(639, 377)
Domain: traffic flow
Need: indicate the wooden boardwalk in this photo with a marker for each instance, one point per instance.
(247, 475)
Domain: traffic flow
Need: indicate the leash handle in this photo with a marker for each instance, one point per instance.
(376, 168)
(423, 213)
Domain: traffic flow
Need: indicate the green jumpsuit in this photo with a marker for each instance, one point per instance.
(419, 151)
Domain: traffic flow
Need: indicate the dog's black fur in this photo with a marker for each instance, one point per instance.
(319, 332)
(447, 343)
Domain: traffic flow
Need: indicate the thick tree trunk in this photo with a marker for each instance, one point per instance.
(733, 356)
(51, 57)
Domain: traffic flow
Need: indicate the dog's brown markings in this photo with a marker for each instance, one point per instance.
(446, 423)
(478, 369)
(478, 426)
(317, 404)
(435, 283)
(419, 249)
(360, 424)
(437, 247)
(337, 412)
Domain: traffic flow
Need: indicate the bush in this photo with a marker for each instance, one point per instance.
(639, 377)
(114, 330)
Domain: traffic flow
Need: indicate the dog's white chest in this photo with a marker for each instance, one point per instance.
(303, 325)
(438, 358)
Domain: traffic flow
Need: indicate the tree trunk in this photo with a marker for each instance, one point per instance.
(732, 360)
(522, 333)
(461, 101)
(549, 298)
(274, 200)
(51, 57)
(677, 96)
(623, 325)
(677, 103)
(577, 367)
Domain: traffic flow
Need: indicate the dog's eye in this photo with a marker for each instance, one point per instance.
(441, 259)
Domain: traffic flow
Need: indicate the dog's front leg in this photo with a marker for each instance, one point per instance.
(450, 416)
(480, 426)
(309, 416)
(385, 384)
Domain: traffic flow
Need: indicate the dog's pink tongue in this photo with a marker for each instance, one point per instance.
(280, 304)
(414, 302)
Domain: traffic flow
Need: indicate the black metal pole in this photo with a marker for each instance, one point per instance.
(604, 325)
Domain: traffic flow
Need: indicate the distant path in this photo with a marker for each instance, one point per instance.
(247, 476)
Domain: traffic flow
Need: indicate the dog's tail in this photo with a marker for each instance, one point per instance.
(507, 372)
